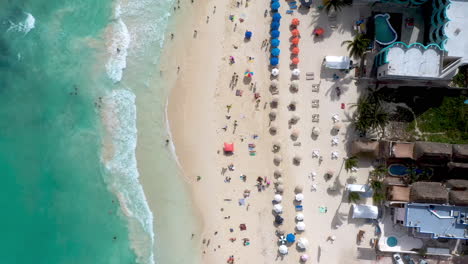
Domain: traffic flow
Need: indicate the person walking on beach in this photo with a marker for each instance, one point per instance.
(229, 107)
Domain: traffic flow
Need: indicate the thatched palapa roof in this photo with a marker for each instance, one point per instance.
(459, 185)
(432, 151)
(459, 198)
(365, 147)
(398, 193)
(428, 192)
(402, 150)
(460, 153)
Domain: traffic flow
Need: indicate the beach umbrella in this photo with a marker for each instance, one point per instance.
(274, 61)
(294, 119)
(283, 249)
(318, 31)
(275, 6)
(299, 197)
(248, 34)
(295, 32)
(337, 126)
(274, 102)
(297, 160)
(280, 188)
(278, 198)
(300, 226)
(316, 131)
(276, 17)
(278, 208)
(299, 216)
(295, 134)
(295, 60)
(272, 115)
(296, 72)
(295, 21)
(295, 84)
(290, 238)
(335, 118)
(295, 41)
(277, 173)
(275, 33)
(279, 180)
(295, 50)
(275, 72)
(330, 172)
(276, 147)
(275, 25)
(304, 258)
(274, 83)
(298, 189)
(275, 42)
(275, 52)
(334, 154)
(272, 1)
(278, 219)
(277, 159)
(273, 130)
(303, 243)
(248, 74)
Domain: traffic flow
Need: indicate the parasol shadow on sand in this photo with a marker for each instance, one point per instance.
(276, 146)
(273, 130)
(274, 102)
(297, 160)
(277, 160)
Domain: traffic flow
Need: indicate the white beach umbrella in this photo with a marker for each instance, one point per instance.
(298, 189)
(296, 72)
(300, 216)
(315, 153)
(334, 154)
(278, 198)
(277, 159)
(274, 83)
(304, 258)
(278, 208)
(294, 119)
(277, 173)
(280, 188)
(316, 131)
(295, 84)
(303, 243)
(283, 249)
(299, 197)
(279, 180)
(300, 226)
(335, 118)
(275, 72)
(335, 141)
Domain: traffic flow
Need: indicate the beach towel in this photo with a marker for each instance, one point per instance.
(323, 209)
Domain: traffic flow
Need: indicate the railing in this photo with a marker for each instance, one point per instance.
(450, 68)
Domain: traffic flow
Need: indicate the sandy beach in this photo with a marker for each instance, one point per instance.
(205, 112)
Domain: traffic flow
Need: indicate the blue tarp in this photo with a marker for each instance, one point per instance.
(291, 238)
(276, 17)
(274, 61)
(248, 34)
(275, 52)
(275, 25)
(275, 5)
(275, 42)
(275, 34)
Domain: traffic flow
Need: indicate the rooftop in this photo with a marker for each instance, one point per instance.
(413, 60)
(455, 29)
(440, 221)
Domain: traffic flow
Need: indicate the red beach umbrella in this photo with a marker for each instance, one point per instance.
(295, 21)
(295, 32)
(295, 60)
(295, 50)
(228, 147)
(295, 41)
(319, 31)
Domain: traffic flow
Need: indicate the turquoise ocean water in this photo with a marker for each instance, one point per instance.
(62, 73)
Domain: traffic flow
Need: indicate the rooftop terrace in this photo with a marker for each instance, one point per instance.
(440, 221)
(456, 29)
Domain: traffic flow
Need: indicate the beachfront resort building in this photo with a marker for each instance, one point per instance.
(418, 40)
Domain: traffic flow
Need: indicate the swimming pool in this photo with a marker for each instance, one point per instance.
(392, 241)
(398, 170)
(384, 32)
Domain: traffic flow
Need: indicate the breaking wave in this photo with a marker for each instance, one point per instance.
(25, 26)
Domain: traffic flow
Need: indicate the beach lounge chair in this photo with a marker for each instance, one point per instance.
(293, 6)
(299, 208)
(290, 12)
(316, 87)
(315, 118)
(315, 103)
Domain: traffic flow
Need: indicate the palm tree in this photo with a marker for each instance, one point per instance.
(378, 173)
(350, 163)
(336, 5)
(358, 46)
(353, 197)
(378, 197)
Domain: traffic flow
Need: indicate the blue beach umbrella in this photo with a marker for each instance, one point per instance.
(275, 5)
(274, 61)
(275, 25)
(275, 42)
(272, 1)
(275, 34)
(276, 17)
(248, 34)
(291, 238)
(275, 52)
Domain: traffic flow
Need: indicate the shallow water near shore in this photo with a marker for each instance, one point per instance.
(71, 190)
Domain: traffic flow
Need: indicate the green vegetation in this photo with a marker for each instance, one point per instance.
(379, 190)
(350, 163)
(370, 115)
(354, 197)
(358, 46)
(379, 172)
(447, 123)
(460, 79)
(335, 5)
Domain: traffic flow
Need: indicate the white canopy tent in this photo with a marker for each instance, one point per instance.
(357, 188)
(337, 62)
(365, 211)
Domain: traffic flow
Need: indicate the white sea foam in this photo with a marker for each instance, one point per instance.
(24, 26)
(119, 44)
(119, 115)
